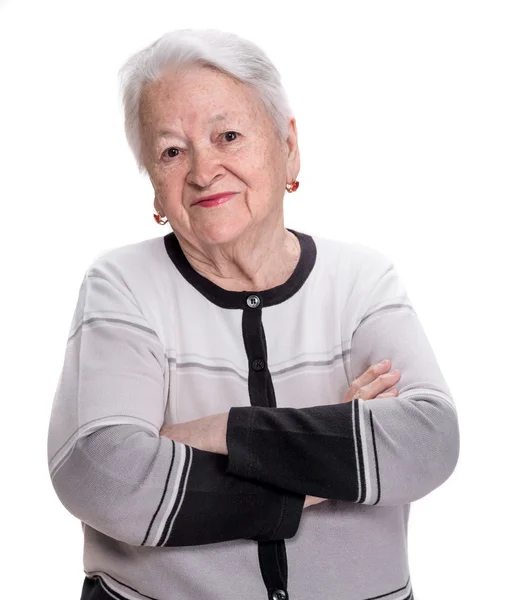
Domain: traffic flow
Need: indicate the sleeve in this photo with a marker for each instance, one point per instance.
(385, 451)
(108, 464)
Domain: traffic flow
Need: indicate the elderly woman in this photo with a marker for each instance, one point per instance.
(221, 378)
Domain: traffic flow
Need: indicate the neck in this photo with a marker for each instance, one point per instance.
(255, 262)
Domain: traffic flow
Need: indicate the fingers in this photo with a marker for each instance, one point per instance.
(371, 374)
(393, 392)
(380, 385)
(373, 383)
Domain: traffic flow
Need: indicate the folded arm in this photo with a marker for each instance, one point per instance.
(108, 464)
(384, 451)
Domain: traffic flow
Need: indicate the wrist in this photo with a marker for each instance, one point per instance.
(221, 430)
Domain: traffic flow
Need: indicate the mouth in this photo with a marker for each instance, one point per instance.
(215, 197)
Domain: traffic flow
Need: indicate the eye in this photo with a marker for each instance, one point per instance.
(228, 132)
(168, 150)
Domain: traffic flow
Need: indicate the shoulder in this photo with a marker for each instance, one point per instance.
(352, 260)
(124, 263)
(367, 260)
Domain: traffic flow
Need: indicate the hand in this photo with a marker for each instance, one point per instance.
(374, 380)
(367, 386)
(207, 433)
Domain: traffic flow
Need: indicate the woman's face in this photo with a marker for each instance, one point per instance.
(220, 139)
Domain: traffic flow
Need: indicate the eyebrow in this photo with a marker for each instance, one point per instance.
(214, 119)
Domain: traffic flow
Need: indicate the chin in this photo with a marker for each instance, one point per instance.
(219, 232)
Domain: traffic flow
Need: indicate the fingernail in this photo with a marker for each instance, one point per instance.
(395, 372)
(384, 362)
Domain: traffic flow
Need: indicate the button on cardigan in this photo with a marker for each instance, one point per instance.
(152, 342)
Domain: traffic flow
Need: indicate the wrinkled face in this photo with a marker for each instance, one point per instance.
(204, 133)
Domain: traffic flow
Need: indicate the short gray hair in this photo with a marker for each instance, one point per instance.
(230, 54)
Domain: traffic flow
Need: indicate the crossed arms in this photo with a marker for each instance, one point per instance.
(112, 469)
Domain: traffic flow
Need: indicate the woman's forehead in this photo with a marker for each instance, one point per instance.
(205, 102)
(195, 83)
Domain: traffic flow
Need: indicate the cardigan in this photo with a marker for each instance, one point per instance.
(152, 341)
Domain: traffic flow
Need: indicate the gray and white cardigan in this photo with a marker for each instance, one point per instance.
(152, 341)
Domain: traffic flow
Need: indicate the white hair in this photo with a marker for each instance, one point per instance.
(226, 52)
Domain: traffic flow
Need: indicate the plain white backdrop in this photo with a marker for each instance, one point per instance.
(400, 109)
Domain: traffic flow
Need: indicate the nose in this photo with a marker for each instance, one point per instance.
(205, 167)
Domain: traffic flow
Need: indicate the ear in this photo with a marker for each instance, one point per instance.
(293, 157)
(152, 183)
(157, 205)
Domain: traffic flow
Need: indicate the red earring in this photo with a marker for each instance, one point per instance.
(292, 187)
(158, 218)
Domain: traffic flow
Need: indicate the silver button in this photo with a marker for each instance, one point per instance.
(253, 301)
(279, 595)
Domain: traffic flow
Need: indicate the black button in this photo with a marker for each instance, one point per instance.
(279, 595)
(258, 364)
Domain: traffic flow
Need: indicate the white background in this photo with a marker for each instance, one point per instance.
(400, 109)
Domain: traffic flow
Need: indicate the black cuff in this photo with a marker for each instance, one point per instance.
(238, 433)
(291, 517)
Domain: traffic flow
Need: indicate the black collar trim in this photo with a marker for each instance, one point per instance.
(229, 299)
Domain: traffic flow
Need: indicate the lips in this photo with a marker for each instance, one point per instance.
(216, 196)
